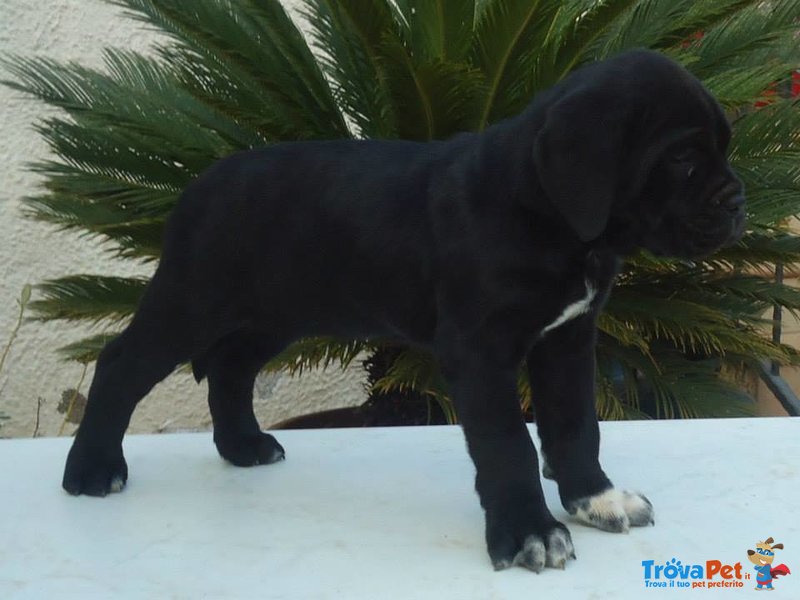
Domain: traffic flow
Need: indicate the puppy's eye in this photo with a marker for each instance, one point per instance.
(686, 161)
(683, 156)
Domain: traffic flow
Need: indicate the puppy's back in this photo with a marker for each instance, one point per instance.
(310, 228)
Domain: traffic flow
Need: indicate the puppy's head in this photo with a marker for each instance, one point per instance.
(634, 149)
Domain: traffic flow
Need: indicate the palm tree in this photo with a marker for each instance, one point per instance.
(236, 74)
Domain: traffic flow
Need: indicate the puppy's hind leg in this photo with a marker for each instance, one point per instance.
(232, 366)
(127, 369)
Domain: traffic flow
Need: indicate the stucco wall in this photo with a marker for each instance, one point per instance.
(30, 252)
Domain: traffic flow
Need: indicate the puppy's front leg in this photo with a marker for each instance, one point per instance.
(519, 528)
(561, 369)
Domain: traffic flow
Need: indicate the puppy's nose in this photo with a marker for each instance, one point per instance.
(733, 204)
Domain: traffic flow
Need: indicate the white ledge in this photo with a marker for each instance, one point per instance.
(384, 513)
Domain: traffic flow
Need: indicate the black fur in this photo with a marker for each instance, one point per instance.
(469, 247)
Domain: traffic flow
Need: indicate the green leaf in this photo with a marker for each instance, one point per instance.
(508, 37)
(316, 352)
(88, 349)
(439, 99)
(92, 298)
(247, 51)
(349, 37)
(569, 42)
(25, 296)
(439, 30)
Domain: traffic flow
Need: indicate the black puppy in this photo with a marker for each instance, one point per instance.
(487, 249)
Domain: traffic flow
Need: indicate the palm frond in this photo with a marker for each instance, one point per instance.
(743, 86)
(508, 37)
(140, 98)
(578, 26)
(92, 298)
(694, 389)
(349, 38)
(415, 369)
(438, 30)
(749, 36)
(690, 327)
(248, 60)
(765, 151)
(672, 387)
(87, 350)
(439, 98)
(316, 352)
(664, 24)
(759, 253)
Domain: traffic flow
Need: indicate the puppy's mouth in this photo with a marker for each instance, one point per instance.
(736, 233)
(729, 202)
(720, 226)
(706, 242)
(739, 223)
(697, 230)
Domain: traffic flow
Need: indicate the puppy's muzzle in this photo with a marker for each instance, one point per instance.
(730, 200)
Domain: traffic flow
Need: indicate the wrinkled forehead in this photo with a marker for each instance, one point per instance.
(670, 97)
(684, 109)
(703, 110)
(690, 105)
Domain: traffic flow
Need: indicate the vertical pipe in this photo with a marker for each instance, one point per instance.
(777, 315)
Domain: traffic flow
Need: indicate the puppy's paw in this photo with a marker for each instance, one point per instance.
(94, 473)
(535, 551)
(614, 510)
(250, 450)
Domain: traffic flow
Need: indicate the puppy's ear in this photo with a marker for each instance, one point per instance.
(578, 155)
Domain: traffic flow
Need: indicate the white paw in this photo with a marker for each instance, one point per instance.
(538, 552)
(614, 510)
(116, 484)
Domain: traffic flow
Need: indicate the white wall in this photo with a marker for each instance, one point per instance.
(30, 251)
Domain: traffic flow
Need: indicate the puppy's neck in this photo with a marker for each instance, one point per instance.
(621, 237)
(602, 263)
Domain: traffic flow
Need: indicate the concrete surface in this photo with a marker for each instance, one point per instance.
(389, 513)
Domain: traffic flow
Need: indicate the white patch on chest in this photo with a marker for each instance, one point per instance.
(573, 310)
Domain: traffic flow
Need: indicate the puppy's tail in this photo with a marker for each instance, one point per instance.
(199, 368)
